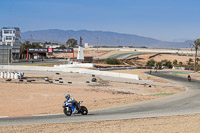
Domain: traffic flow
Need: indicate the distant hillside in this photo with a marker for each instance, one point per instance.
(104, 38)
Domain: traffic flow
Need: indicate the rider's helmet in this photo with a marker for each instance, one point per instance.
(67, 96)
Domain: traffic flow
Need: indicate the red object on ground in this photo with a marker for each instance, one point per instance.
(27, 53)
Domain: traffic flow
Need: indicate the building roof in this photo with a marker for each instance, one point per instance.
(16, 28)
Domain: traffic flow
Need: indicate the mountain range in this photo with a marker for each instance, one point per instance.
(100, 38)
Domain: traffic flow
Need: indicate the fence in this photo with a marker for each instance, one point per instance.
(5, 54)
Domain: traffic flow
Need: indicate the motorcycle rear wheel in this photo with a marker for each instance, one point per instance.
(84, 110)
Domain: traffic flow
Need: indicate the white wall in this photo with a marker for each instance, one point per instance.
(63, 69)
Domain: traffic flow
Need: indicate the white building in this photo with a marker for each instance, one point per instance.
(52, 45)
(87, 45)
(10, 36)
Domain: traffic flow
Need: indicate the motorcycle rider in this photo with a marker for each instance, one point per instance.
(73, 101)
(189, 77)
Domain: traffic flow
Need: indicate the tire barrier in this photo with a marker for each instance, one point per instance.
(51, 82)
(145, 67)
(124, 68)
(21, 80)
(192, 69)
(183, 68)
(12, 75)
(158, 54)
(116, 68)
(94, 80)
(8, 79)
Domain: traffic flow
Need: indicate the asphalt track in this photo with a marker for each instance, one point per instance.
(187, 102)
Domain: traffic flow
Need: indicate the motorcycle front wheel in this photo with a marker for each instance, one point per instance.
(67, 111)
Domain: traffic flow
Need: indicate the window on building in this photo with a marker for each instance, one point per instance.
(8, 37)
(8, 43)
(7, 31)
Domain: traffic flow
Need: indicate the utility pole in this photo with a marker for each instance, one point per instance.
(195, 62)
(97, 42)
(31, 38)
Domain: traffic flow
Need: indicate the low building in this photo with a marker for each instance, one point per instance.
(9, 44)
(10, 36)
(50, 45)
(87, 45)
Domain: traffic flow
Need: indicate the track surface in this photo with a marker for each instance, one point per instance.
(183, 103)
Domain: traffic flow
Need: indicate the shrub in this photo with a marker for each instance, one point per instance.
(112, 61)
(151, 62)
(175, 62)
(166, 63)
(190, 60)
(180, 63)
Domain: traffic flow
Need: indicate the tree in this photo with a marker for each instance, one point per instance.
(198, 60)
(24, 46)
(62, 47)
(71, 43)
(166, 63)
(175, 62)
(189, 61)
(151, 62)
(196, 46)
(180, 63)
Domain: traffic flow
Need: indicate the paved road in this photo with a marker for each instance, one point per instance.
(183, 103)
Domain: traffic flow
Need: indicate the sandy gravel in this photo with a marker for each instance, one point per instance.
(172, 124)
(41, 97)
(32, 99)
(93, 53)
(142, 75)
(172, 57)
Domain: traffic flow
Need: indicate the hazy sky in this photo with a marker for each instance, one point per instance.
(171, 20)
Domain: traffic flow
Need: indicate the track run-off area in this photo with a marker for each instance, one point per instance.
(187, 102)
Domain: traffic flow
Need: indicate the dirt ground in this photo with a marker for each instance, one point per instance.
(171, 57)
(142, 75)
(87, 53)
(40, 97)
(47, 98)
(172, 124)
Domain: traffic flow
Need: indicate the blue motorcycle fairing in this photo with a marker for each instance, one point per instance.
(66, 104)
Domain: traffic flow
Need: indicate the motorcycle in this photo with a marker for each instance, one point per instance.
(189, 78)
(69, 109)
